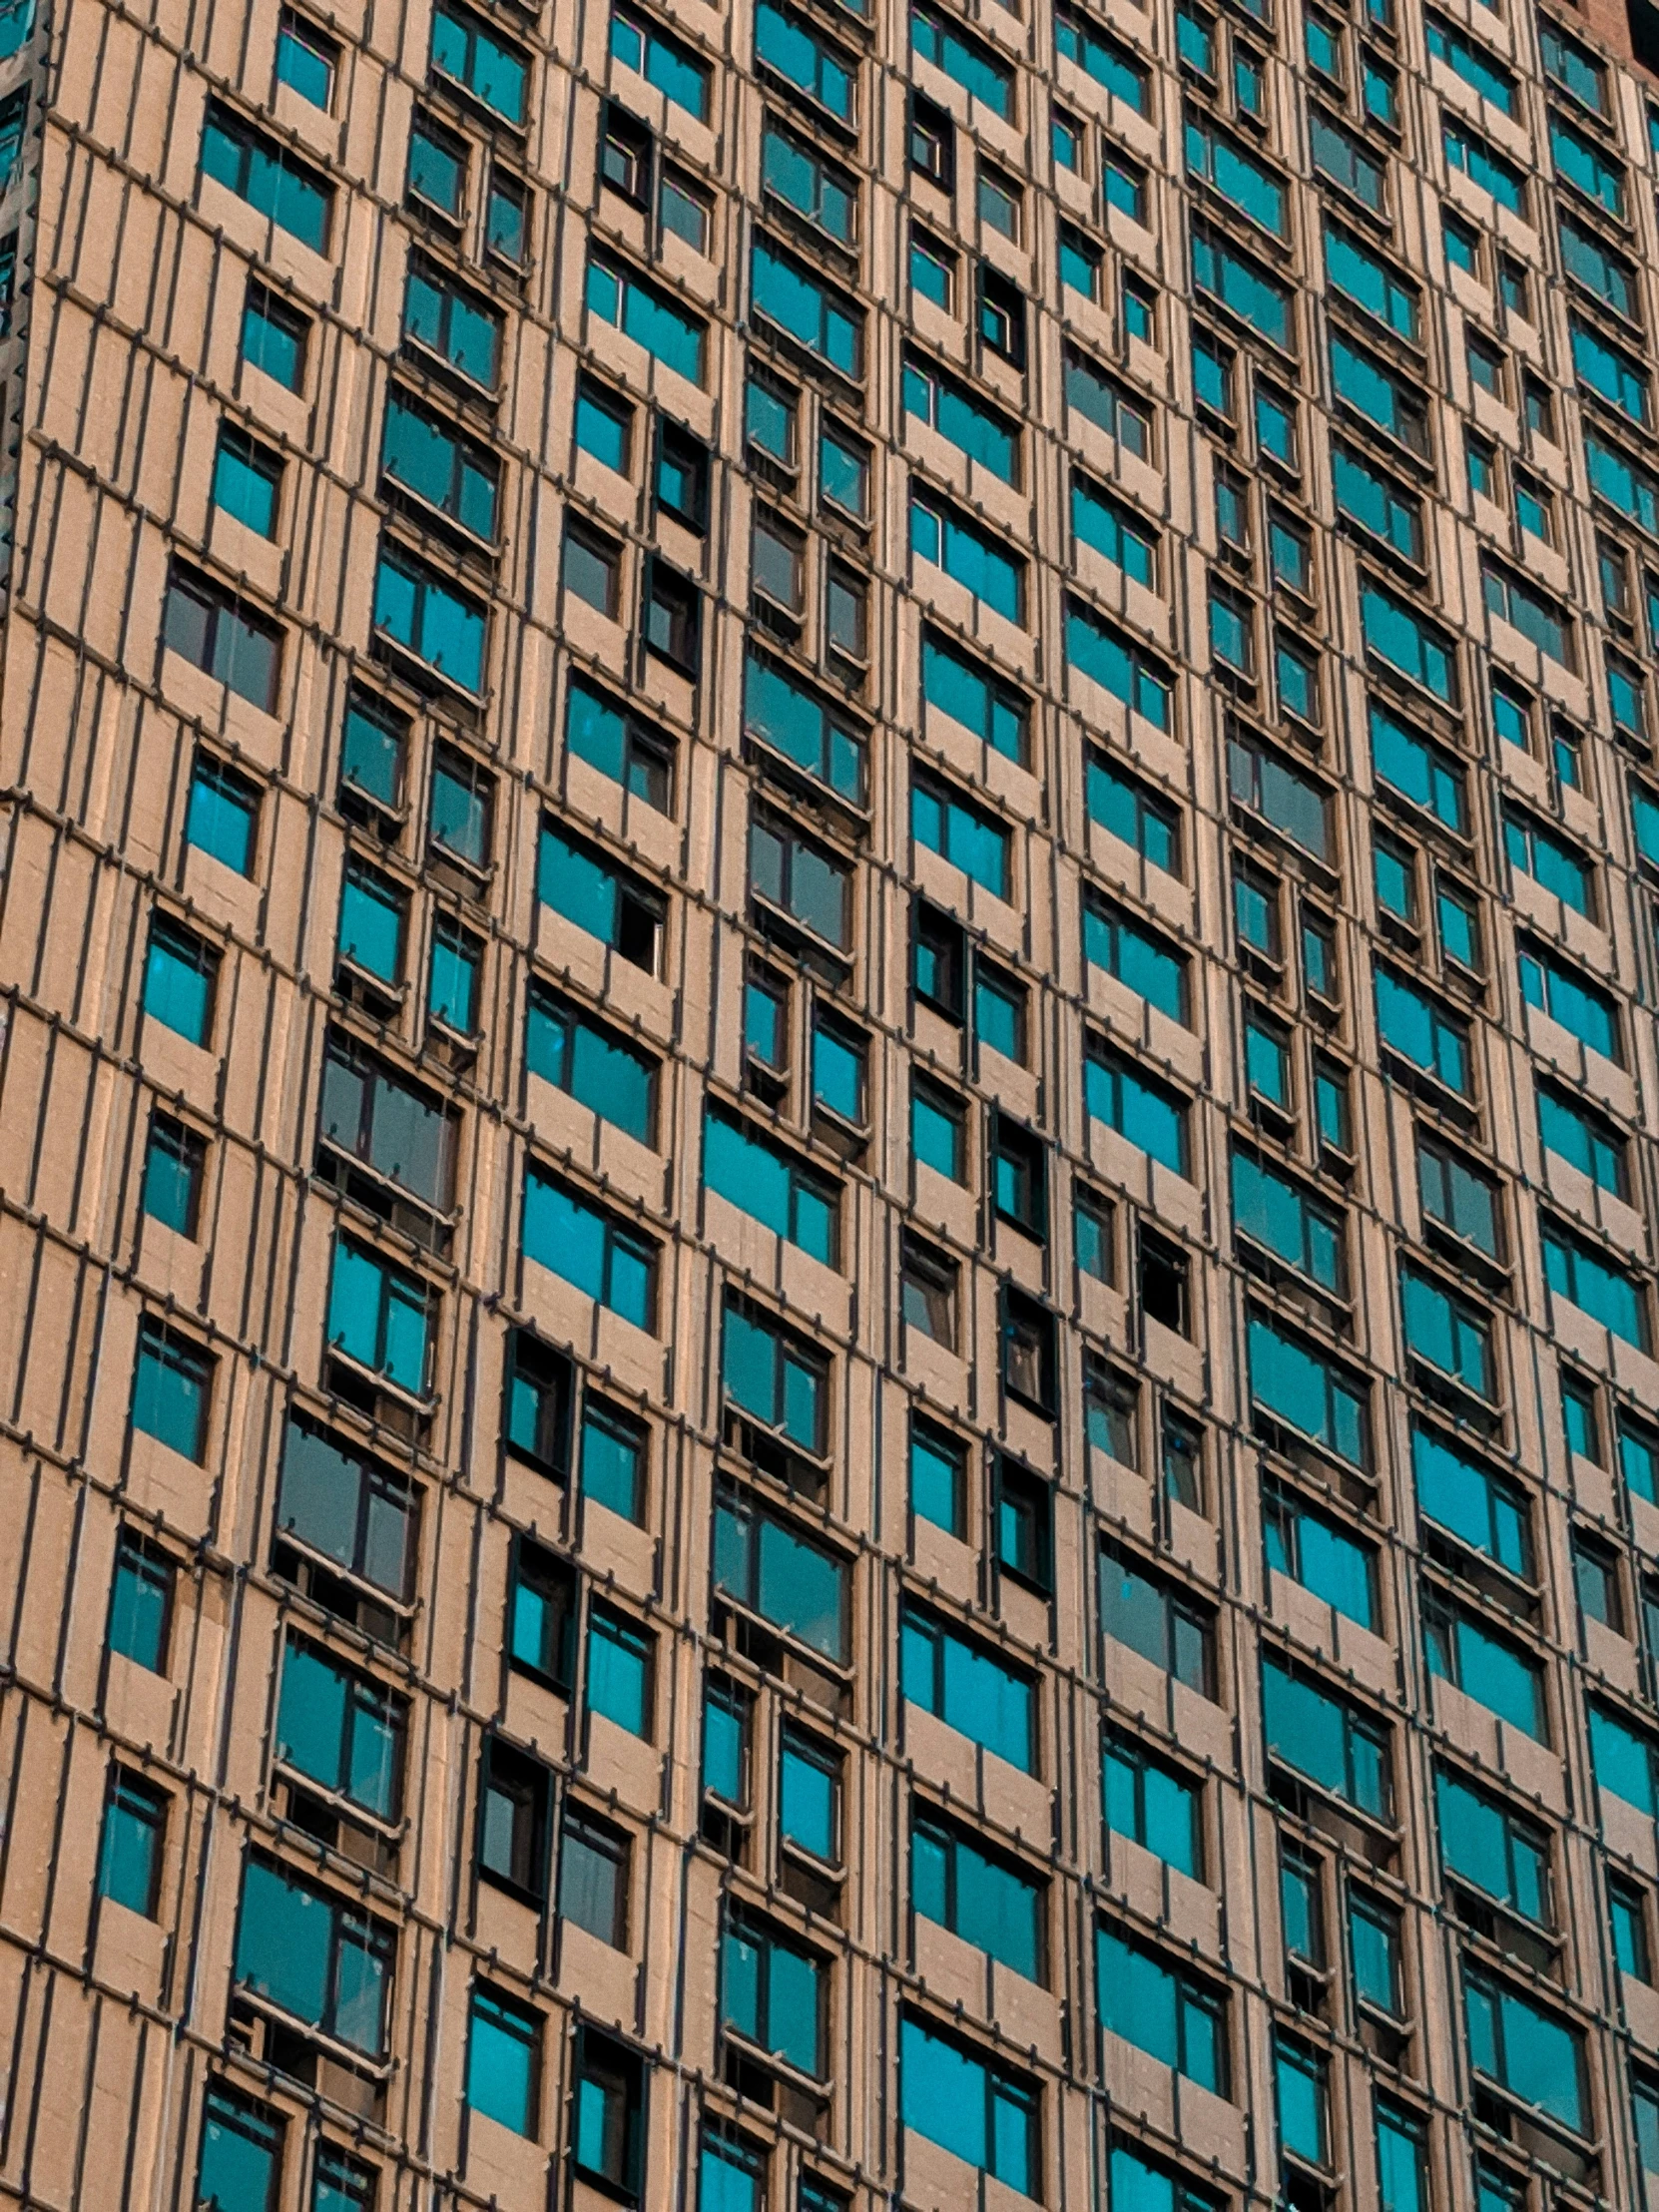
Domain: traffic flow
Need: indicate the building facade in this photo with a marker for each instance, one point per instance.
(828, 1105)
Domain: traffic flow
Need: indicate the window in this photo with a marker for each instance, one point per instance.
(1321, 1737)
(1418, 770)
(809, 1795)
(1243, 288)
(503, 2060)
(974, 697)
(999, 1008)
(1581, 1417)
(614, 740)
(941, 535)
(652, 53)
(970, 1690)
(172, 1383)
(939, 1477)
(1139, 312)
(512, 1818)
(373, 748)
(1154, 1804)
(141, 1601)
(541, 1612)
(284, 190)
(1001, 202)
(985, 2116)
(726, 1741)
(341, 1729)
(315, 1956)
(576, 883)
(1569, 998)
(620, 1670)
(1574, 1132)
(609, 1263)
(1591, 263)
(450, 471)
(933, 269)
(961, 833)
(1142, 962)
(590, 1062)
(1162, 2011)
(1111, 659)
(1374, 1944)
(538, 1388)
(615, 1459)
(1627, 1916)
(172, 1164)
(347, 1509)
(1530, 2054)
(1433, 1039)
(1461, 1199)
(932, 141)
(1137, 1106)
(1289, 1222)
(1393, 405)
(593, 1876)
(1110, 1415)
(242, 2153)
(938, 1129)
(975, 428)
(1067, 141)
(1472, 62)
(1235, 175)
(989, 1901)
(1024, 1526)
(373, 920)
(468, 52)
(1549, 859)
(1595, 1570)
(1484, 1667)
(1274, 426)
(1114, 530)
(382, 1317)
(768, 1566)
(247, 479)
(135, 1832)
(507, 218)
(786, 45)
(607, 2120)
(593, 569)
(686, 209)
(418, 609)
(1483, 165)
(1102, 401)
(811, 313)
(1160, 1624)
(452, 323)
(1316, 1552)
(800, 880)
(1450, 1333)
(1101, 57)
(935, 38)
(673, 615)
(209, 627)
(438, 162)
(731, 2173)
(273, 338)
(647, 315)
(779, 1385)
(1019, 1176)
(928, 1291)
(773, 1994)
(818, 738)
(604, 424)
(1267, 783)
(1567, 64)
(452, 985)
(1126, 809)
(1483, 1842)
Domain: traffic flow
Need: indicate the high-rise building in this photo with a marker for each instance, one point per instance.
(829, 1106)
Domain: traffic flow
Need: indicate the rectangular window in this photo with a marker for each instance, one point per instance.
(813, 314)
(818, 738)
(976, 698)
(809, 1795)
(1308, 1392)
(341, 1729)
(1577, 1271)
(783, 1385)
(430, 457)
(970, 1690)
(1485, 1843)
(1154, 1804)
(1472, 62)
(576, 883)
(374, 922)
(973, 427)
(242, 2153)
(350, 1510)
(1101, 400)
(1137, 1106)
(1394, 405)
(768, 1567)
(503, 2060)
(1569, 998)
(621, 1670)
(420, 610)
(642, 45)
(1530, 2055)
(1108, 657)
(1576, 1133)
(1243, 288)
(613, 1264)
(1538, 618)
(938, 1129)
(1414, 767)
(273, 338)
(141, 1601)
(1320, 1736)
(401, 1133)
(541, 1607)
(311, 1955)
(375, 744)
(1151, 2003)
(248, 480)
(1142, 962)
(512, 1818)
(171, 1388)
(458, 326)
(607, 2120)
(284, 190)
(1235, 175)
(772, 1992)
(1485, 165)
(1345, 159)
(135, 1834)
(980, 2114)
(1115, 530)
(209, 627)
(1449, 1332)
(1126, 809)
(961, 833)
(1316, 1551)
(172, 1164)
(590, 1062)
(1158, 1622)
(614, 740)
(1623, 1758)
(1487, 1668)
(469, 54)
(989, 1903)
(647, 315)
(1102, 57)
(1369, 497)
(939, 1477)
(1463, 1201)
(1431, 1038)
(1269, 784)
(382, 1317)
(941, 535)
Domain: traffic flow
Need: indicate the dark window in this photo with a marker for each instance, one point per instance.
(1024, 1525)
(354, 1512)
(207, 625)
(1002, 314)
(593, 1876)
(141, 1601)
(512, 1818)
(673, 615)
(1163, 1624)
(932, 141)
(928, 1291)
(1162, 1281)
(607, 2121)
(1019, 1169)
(1029, 1355)
(764, 1562)
(609, 906)
(542, 1613)
(385, 1124)
(800, 878)
(681, 475)
(135, 1830)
